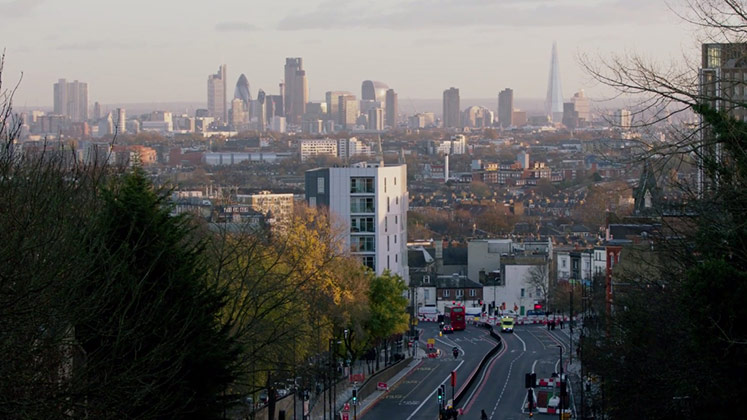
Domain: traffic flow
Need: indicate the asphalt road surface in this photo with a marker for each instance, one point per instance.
(500, 387)
(415, 397)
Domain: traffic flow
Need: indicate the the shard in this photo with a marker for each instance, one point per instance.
(554, 99)
(242, 91)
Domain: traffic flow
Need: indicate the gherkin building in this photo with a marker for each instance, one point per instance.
(242, 91)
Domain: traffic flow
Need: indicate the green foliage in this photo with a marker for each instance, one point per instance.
(388, 306)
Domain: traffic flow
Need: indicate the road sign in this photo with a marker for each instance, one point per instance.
(345, 416)
(346, 407)
(431, 341)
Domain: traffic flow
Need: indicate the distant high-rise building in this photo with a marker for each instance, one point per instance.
(370, 200)
(71, 99)
(216, 93)
(96, 111)
(622, 119)
(554, 99)
(347, 107)
(582, 105)
(506, 107)
(570, 115)
(242, 91)
(261, 111)
(373, 91)
(452, 113)
(296, 90)
(391, 110)
(332, 99)
(376, 119)
(119, 119)
(239, 116)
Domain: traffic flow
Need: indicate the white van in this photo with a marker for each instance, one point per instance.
(427, 313)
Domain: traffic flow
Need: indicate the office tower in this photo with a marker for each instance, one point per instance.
(242, 91)
(582, 105)
(296, 90)
(332, 99)
(452, 113)
(570, 115)
(506, 108)
(119, 119)
(622, 119)
(347, 107)
(554, 99)
(96, 111)
(216, 93)
(376, 119)
(391, 110)
(239, 116)
(373, 91)
(261, 111)
(281, 105)
(71, 99)
(370, 200)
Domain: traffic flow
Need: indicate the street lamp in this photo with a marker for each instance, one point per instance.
(560, 406)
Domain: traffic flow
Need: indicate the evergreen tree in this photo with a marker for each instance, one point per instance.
(148, 324)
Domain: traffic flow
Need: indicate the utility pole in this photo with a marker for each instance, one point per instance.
(560, 406)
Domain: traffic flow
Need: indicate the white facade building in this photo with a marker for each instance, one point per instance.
(318, 147)
(370, 204)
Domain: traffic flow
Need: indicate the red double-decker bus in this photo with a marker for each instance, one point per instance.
(455, 316)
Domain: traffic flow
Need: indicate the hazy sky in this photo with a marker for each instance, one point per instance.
(163, 50)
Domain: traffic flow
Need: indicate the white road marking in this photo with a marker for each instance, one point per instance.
(522, 341)
(534, 365)
(433, 392)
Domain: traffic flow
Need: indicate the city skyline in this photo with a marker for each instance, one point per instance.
(155, 59)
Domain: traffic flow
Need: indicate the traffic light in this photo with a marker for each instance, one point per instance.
(355, 396)
(530, 380)
(440, 395)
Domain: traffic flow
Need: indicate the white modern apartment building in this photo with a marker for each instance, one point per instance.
(317, 147)
(369, 201)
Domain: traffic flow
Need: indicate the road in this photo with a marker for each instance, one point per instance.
(500, 389)
(415, 397)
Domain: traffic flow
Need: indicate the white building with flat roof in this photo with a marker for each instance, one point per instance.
(370, 201)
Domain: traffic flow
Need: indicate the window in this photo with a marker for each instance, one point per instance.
(387, 204)
(459, 293)
(387, 262)
(564, 263)
(714, 56)
(362, 224)
(362, 244)
(396, 256)
(426, 279)
(361, 185)
(446, 293)
(472, 292)
(426, 294)
(395, 180)
(386, 224)
(369, 261)
(396, 200)
(387, 244)
(522, 292)
(395, 239)
(312, 201)
(362, 205)
(395, 219)
(320, 185)
(385, 184)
